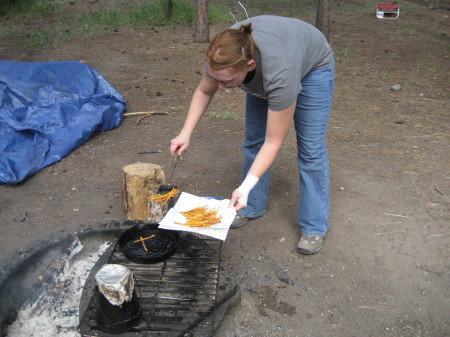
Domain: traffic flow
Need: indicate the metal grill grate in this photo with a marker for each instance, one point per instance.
(178, 296)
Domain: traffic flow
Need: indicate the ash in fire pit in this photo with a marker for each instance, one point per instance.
(52, 308)
(43, 295)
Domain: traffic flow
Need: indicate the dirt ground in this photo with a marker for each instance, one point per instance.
(384, 269)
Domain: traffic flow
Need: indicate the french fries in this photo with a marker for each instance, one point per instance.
(141, 239)
(200, 217)
(164, 198)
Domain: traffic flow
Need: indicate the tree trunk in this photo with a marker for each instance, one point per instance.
(323, 17)
(169, 7)
(202, 24)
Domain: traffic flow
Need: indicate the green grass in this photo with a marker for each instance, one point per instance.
(219, 14)
(51, 25)
(153, 14)
(302, 9)
(446, 52)
(39, 37)
(26, 8)
(225, 115)
(346, 52)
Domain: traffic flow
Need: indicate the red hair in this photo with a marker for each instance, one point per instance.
(231, 48)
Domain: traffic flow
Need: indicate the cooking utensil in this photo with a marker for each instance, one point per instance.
(161, 210)
(175, 160)
(159, 245)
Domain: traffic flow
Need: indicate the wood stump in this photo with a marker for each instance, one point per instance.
(140, 181)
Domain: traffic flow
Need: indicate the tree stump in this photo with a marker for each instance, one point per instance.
(140, 181)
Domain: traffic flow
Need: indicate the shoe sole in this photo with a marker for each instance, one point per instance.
(308, 252)
(239, 226)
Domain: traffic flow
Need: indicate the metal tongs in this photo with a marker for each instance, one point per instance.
(234, 12)
(175, 159)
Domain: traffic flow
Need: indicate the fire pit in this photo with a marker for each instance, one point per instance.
(54, 280)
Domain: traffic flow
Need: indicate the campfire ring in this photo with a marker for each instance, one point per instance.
(27, 273)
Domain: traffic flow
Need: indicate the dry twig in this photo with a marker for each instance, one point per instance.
(389, 223)
(373, 308)
(399, 215)
(148, 152)
(145, 114)
(394, 232)
(437, 235)
(441, 193)
(140, 113)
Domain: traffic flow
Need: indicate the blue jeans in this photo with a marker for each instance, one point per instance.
(311, 120)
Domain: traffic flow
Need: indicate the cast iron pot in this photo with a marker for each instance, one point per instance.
(162, 244)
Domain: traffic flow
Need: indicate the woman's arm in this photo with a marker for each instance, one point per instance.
(199, 103)
(278, 124)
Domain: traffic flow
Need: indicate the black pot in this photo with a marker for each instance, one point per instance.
(117, 319)
(159, 248)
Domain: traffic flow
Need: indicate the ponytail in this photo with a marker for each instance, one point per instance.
(246, 29)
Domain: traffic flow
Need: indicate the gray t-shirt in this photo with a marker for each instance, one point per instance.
(288, 49)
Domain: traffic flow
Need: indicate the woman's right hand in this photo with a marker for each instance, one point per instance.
(179, 144)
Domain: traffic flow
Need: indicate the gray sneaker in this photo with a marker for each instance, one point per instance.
(309, 245)
(238, 221)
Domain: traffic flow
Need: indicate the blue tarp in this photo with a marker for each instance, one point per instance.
(47, 109)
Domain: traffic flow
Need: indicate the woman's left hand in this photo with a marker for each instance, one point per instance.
(238, 200)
